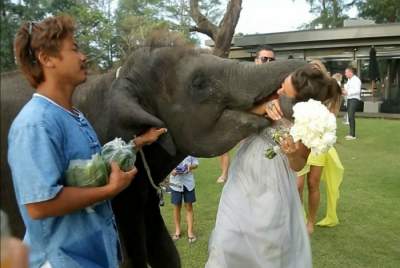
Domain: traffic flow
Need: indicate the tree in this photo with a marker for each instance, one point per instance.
(106, 36)
(381, 11)
(134, 20)
(8, 24)
(330, 13)
(12, 15)
(177, 14)
(94, 29)
(223, 33)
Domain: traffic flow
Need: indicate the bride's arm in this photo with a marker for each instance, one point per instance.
(296, 153)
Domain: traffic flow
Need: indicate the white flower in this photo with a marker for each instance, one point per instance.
(314, 125)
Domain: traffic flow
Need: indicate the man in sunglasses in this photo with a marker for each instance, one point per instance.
(264, 54)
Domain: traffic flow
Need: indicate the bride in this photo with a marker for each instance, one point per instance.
(260, 222)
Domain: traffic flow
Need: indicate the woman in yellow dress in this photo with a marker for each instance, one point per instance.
(327, 167)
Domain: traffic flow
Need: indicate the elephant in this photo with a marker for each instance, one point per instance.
(202, 100)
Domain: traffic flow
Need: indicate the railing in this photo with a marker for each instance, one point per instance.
(371, 95)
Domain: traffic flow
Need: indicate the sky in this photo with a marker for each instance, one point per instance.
(271, 16)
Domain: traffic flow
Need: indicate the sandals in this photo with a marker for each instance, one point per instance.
(192, 239)
(221, 179)
(175, 237)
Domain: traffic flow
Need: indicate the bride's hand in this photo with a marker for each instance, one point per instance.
(273, 110)
(289, 147)
(296, 152)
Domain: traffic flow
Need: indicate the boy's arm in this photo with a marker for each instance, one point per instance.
(192, 166)
(71, 199)
(68, 200)
(150, 136)
(194, 163)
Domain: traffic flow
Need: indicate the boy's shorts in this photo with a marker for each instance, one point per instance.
(187, 196)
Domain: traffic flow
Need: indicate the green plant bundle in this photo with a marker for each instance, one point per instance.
(120, 152)
(94, 172)
(87, 173)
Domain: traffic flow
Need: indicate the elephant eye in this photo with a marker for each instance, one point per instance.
(199, 82)
(200, 87)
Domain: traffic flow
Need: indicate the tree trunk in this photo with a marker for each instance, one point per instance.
(221, 35)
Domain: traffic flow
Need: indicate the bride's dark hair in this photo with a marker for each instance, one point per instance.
(311, 81)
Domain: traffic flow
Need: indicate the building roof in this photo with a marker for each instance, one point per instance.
(367, 32)
(354, 36)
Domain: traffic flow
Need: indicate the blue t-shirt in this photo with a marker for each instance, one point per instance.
(43, 139)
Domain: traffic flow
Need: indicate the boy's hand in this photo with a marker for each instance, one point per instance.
(119, 179)
(150, 136)
(173, 173)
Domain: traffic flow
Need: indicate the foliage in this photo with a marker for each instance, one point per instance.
(8, 22)
(105, 34)
(223, 33)
(177, 13)
(134, 20)
(331, 13)
(94, 27)
(12, 15)
(381, 11)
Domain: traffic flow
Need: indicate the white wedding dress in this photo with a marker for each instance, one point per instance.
(260, 221)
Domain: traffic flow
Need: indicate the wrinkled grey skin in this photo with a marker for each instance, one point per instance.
(203, 101)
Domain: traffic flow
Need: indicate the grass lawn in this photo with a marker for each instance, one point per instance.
(369, 207)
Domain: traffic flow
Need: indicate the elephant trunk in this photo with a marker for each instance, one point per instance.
(250, 83)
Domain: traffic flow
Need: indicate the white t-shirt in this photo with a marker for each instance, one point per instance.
(353, 88)
(185, 178)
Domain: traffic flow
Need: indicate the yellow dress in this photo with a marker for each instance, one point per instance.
(332, 174)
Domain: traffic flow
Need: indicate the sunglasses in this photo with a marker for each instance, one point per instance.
(266, 59)
(31, 53)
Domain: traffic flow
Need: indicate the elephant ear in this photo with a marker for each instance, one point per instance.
(128, 117)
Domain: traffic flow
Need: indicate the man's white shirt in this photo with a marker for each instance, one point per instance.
(353, 88)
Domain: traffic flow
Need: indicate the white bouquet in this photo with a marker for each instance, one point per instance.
(313, 124)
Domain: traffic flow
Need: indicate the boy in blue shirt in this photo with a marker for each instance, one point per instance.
(182, 187)
(45, 136)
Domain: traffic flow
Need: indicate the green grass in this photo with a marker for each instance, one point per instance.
(369, 207)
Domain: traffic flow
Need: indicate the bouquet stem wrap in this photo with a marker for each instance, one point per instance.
(278, 132)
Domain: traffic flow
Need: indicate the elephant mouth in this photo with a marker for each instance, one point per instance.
(259, 105)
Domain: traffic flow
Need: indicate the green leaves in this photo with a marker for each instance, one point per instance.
(107, 30)
(381, 11)
(331, 13)
(87, 173)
